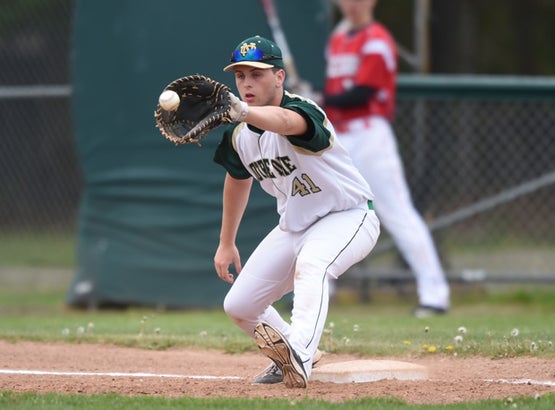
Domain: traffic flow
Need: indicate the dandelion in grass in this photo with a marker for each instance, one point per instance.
(346, 340)
(515, 332)
(90, 327)
(462, 330)
(458, 339)
(157, 331)
(65, 331)
(80, 330)
(425, 346)
(426, 329)
(432, 349)
(533, 347)
(356, 328)
(449, 348)
(142, 329)
(331, 325)
(203, 333)
(406, 342)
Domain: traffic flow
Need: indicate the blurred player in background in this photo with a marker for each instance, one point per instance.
(326, 219)
(359, 98)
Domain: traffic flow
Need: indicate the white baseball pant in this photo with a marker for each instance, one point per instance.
(373, 147)
(301, 262)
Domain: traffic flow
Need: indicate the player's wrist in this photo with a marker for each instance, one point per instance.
(227, 242)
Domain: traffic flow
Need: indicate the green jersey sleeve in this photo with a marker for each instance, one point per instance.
(317, 136)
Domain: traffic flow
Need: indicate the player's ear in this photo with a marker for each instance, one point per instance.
(280, 77)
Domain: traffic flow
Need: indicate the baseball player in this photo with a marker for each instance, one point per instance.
(359, 99)
(326, 217)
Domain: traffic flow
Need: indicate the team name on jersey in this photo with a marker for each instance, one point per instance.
(267, 168)
(342, 65)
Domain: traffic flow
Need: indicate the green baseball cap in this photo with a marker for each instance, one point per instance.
(256, 52)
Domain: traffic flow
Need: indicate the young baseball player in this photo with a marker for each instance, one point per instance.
(359, 99)
(326, 217)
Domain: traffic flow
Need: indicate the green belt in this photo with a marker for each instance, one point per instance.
(370, 205)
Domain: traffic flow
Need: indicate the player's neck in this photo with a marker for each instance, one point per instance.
(356, 26)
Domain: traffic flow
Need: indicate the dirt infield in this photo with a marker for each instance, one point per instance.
(208, 373)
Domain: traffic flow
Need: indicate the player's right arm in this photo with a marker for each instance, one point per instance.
(276, 119)
(235, 198)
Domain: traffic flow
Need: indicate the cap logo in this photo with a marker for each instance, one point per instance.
(246, 47)
(256, 52)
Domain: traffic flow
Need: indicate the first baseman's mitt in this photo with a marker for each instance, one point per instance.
(204, 104)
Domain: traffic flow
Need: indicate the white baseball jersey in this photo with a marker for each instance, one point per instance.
(308, 177)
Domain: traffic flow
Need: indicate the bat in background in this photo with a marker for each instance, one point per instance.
(293, 81)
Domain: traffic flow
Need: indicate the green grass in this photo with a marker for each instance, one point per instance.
(24, 401)
(490, 325)
(37, 249)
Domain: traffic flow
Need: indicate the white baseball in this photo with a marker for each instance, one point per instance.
(169, 100)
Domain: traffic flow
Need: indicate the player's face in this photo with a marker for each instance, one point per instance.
(358, 12)
(259, 87)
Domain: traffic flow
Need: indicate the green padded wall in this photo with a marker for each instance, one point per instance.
(150, 211)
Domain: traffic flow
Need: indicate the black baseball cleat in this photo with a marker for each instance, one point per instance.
(424, 311)
(277, 348)
(272, 374)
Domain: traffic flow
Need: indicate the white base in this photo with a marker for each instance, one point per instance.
(363, 371)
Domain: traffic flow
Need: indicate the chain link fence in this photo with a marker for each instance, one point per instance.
(479, 156)
(480, 161)
(39, 174)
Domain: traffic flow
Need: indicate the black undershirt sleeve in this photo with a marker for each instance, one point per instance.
(354, 97)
